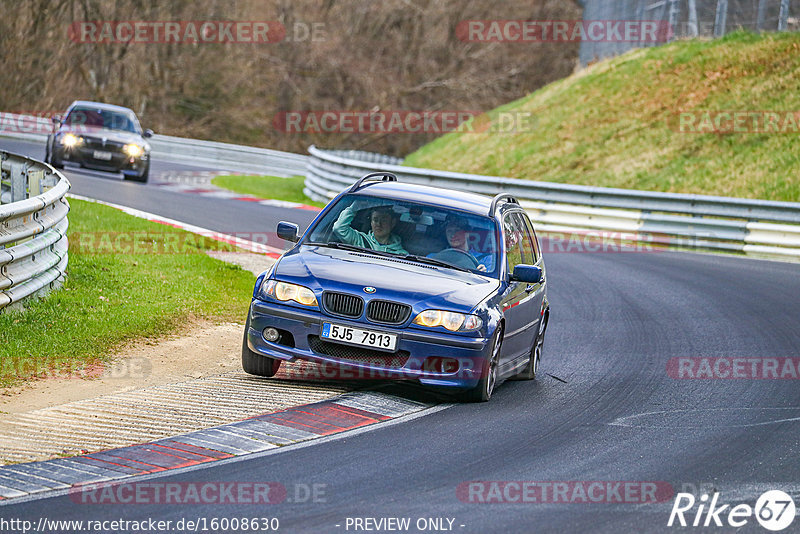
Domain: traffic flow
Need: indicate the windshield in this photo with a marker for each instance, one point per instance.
(420, 232)
(102, 118)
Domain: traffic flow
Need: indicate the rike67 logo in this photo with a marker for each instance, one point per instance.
(774, 510)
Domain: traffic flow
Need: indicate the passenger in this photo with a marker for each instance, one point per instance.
(383, 219)
(456, 231)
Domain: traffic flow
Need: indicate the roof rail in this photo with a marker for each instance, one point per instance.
(385, 177)
(498, 198)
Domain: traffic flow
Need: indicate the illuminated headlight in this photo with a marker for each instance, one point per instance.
(70, 140)
(286, 292)
(451, 320)
(133, 150)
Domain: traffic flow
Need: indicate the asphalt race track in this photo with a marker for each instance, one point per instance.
(613, 413)
(240, 217)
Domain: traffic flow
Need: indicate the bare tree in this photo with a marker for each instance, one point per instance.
(390, 55)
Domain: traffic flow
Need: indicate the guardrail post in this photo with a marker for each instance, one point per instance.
(35, 183)
(692, 18)
(784, 15)
(762, 8)
(18, 185)
(674, 13)
(721, 18)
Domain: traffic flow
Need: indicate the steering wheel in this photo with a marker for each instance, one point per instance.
(459, 257)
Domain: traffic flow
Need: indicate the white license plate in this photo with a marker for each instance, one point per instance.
(99, 154)
(357, 336)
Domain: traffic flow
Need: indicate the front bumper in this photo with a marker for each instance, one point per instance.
(421, 346)
(119, 162)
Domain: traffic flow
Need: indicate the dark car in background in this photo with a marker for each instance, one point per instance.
(103, 137)
(406, 282)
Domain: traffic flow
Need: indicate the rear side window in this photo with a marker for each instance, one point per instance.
(534, 241)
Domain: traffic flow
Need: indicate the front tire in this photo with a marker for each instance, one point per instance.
(256, 364)
(532, 367)
(53, 161)
(482, 392)
(142, 179)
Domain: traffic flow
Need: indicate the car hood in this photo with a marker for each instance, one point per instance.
(420, 285)
(119, 136)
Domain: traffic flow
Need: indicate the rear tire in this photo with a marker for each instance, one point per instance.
(482, 392)
(256, 364)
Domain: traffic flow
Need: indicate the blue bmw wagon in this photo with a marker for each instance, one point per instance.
(401, 281)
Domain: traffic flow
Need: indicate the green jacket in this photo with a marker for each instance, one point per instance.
(350, 235)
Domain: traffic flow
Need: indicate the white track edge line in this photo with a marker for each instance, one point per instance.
(235, 459)
(252, 246)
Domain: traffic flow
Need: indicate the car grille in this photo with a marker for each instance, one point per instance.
(347, 353)
(383, 311)
(343, 304)
(97, 144)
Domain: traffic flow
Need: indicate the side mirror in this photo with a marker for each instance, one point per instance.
(148, 133)
(288, 231)
(56, 119)
(530, 274)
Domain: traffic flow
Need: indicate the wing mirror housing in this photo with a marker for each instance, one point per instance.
(288, 231)
(530, 274)
(148, 133)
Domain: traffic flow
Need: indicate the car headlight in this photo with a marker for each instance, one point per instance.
(70, 140)
(133, 150)
(286, 292)
(450, 320)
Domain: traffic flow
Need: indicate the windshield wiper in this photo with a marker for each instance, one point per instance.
(432, 261)
(354, 248)
(408, 257)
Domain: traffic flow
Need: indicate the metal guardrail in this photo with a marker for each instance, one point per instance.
(666, 219)
(180, 149)
(33, 228)
(234, 157)
(662, 219)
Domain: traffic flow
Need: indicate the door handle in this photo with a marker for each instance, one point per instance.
(531, 287)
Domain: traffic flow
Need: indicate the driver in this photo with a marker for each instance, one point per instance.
(456, 230)
(382, 220)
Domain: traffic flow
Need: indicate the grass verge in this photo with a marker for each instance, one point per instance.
(267, 187)
(617, 123)
(128, 278)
